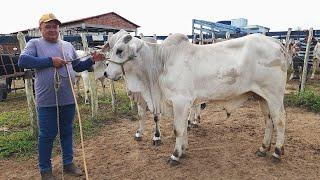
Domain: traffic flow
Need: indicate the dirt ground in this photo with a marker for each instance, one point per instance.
(221, 148)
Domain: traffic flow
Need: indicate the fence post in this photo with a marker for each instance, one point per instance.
(201, 35)
(193, 34)
(92, 81)
(227, 35)
(213, 37)
(29, 91)
(290, 68)
(111, 83)
(288, 39)
(306, 58)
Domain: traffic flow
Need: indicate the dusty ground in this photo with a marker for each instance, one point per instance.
(220, 148)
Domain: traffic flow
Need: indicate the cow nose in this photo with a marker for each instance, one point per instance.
(105, 74)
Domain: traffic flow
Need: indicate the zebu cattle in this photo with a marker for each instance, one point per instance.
(98, 67)
(135, 95)
(316, 58)
(182, 74)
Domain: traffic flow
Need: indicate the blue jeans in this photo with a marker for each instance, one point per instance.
(48, 131)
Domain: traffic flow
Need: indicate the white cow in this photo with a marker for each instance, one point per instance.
(135, 95)
(316, 58)
(98, 68)
(182, 74)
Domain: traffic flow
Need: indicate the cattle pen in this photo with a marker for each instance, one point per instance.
(220, 148)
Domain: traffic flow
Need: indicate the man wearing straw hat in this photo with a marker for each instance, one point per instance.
(49, 57)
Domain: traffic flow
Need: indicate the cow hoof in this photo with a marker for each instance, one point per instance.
(157, 142)
(188, 128)
(191, 125)
(203, 106)
(275, 160)
(194, 125)
(261, 154)
(173, 162)
(138, 138)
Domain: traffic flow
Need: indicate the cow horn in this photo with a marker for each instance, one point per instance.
(127, 38)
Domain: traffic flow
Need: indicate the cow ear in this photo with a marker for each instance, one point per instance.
(105, 47)
(139, 47)
(136, 50)
(127, 38)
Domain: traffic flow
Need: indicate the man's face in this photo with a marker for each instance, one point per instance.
(50, 31)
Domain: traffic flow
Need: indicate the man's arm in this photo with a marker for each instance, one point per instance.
(80, 66)
(31, 62)
(28, 58)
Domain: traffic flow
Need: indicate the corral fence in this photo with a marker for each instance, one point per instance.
(11, 45)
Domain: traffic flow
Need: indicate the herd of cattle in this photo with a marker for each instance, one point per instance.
(176, 78)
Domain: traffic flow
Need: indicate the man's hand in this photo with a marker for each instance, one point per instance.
(96, 56)
(58, 62)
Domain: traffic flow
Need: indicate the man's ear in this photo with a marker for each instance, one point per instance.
(40, 26)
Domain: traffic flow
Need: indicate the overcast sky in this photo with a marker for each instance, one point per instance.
(164, 16)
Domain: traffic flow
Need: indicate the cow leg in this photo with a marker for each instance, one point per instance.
(103, 86)
(277, 116)
(191, 117)
(262, 151)
(142, 122)
(78, 86)
(157, 135)
(113, 95)
(279, 122)
(180, 107)
(86, 97)
(194, 116)
(315, 65)
(86, 85)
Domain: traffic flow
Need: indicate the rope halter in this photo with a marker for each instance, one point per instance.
(131, 57)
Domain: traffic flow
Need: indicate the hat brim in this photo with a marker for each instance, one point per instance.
(59, 23)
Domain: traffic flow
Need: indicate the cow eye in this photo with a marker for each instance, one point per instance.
(119, 51)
